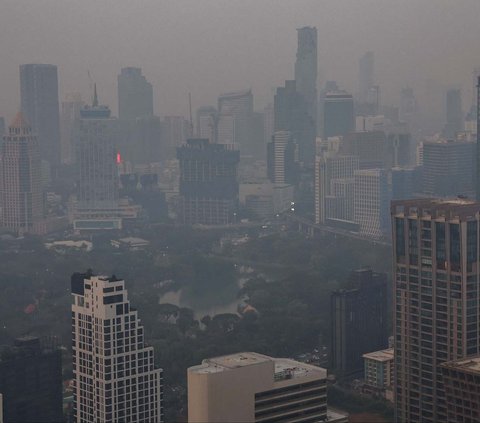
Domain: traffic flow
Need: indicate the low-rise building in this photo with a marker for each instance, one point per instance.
(251, 387)
(379, 367)
(461, 379)
(130, 243)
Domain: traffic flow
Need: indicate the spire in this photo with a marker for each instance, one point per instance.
(95, 97)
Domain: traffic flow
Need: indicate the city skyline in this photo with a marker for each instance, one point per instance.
(263, 57)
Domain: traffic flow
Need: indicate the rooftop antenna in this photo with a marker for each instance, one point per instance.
(90, 82)
(191, 119)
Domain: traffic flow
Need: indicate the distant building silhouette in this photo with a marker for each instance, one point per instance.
(291, 114)
(281, 159)
(359, 321)
(338, 114)
(208, 182)
(21, 195)
(31, 382)
(135, 95)
(454, 116)
(235, 120)
(39, 104)
(366, 67)
(306, 69)
(207, 123)
(69, 116)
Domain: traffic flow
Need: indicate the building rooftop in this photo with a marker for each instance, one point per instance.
(435, 207)
(382, 355)
(469, 365)
(284, 367)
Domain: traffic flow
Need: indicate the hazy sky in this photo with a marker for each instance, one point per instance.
(210, 46)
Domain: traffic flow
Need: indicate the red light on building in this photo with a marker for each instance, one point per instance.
(119, 158)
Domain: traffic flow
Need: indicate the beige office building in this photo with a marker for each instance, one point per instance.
(251, 387)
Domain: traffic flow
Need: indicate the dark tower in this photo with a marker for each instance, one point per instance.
(477, 187)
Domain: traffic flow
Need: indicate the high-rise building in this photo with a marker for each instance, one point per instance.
(461, 379)
(31, 381)
(68, 118)
(176, 130)
(435, 277)
(148, 146)
(366, 65)
(21, 195)
(281, 159)
(2, 126)
(115, 378)
(266, 390)
(235, 120)
(306, 69)
(208, 182)
(448, 168)
(455, 118)
(369, 147)
(334, 185)
(291, 114)
(371, 202)
(207, 123)
(359, 321)
(135, 95)
(338, 115)
(97, 174)
(39, 104)
(406, 182)
(408, 106)
(268, 123)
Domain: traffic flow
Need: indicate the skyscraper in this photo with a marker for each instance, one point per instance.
(175, 131)
(208, 182)
(366, 66)
(291, 114)
(114, 375)
(207, 123)
(338, 115)
(97, 174)
(71, 107)
(454, 116)
(266, 390)
(235, 120)
(359, 321)
(21, 195)
(448, 168)
(135, 95)
(306, 69)
(281, 162)
(334, 185)
(31, 381)
(39, 104)
(435, 276)
(371, 200)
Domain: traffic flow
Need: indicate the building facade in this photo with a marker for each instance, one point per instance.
(21, 195)
(379, 368)
(69, 116)
(135, 95)
(31, 381)
(435, 271)
(114, 375)
(359, 321)
(266, 390)
(371, 202)
(281, 159)
(207, 119)
(39, 105)
(448, 168)
(208, 182)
